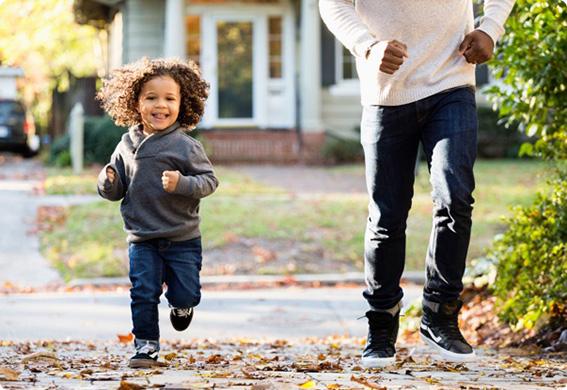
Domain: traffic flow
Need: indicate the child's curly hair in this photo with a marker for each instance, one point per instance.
(119, 93)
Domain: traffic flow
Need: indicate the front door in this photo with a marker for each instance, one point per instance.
(246, 54)
(237, 75)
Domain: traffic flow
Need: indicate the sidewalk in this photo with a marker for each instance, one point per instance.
(290, 313)
(21, 264)
(281, 338)
(246, 364)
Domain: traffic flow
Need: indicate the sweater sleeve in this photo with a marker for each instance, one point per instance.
(202, 181)
(106, 189)
(495, 14)
(342, 20)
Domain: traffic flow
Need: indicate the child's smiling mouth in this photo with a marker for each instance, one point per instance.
(160, 116)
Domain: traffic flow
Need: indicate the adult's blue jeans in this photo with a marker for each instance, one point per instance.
(446, 126)
(153, 263)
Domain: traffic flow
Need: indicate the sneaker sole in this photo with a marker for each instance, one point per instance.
(377, 362)
(448, 355)
(143, 363)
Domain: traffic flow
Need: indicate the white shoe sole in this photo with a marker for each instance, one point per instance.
(448, 355)
(377, 362)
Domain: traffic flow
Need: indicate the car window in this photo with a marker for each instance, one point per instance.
(8, 109)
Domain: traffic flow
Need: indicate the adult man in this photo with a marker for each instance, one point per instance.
(416, 62)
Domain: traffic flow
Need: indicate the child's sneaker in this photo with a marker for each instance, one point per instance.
(181, 318)
(143, 360)
(146, 355)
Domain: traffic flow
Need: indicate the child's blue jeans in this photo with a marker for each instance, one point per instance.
(158, 261)
(446, 125)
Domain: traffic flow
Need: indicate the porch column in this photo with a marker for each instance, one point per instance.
(174, 45)
(310, 67)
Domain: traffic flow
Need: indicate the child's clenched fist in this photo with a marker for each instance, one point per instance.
(110, 174)
(169, 180)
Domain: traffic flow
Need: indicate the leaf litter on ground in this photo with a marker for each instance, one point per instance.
(318, 363)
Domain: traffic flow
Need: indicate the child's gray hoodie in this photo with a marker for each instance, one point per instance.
(147, 209)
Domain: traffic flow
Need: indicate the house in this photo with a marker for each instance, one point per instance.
(279, 80)
(8, 82)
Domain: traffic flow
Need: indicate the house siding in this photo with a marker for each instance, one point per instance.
(143, 24)
(341, 113)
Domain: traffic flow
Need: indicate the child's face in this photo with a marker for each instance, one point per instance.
(159, 103)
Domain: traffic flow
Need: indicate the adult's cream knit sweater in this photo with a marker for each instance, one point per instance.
(432, 31)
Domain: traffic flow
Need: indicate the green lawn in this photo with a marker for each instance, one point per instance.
(62, 181)
(92, 243)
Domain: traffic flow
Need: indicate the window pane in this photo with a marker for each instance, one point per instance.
(193, 43)
(275, 69)
(193, 24)
(235, 69)
(275, 25)
(349, 66)
(275, 46)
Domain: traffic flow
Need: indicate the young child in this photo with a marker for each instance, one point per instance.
(160, 173)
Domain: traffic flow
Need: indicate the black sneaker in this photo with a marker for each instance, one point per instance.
(143, 360)
(146, 354)
(440, 329)
(380, 349)
(181, 318)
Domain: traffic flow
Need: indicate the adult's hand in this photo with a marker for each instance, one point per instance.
(390, 54)
(477, 47)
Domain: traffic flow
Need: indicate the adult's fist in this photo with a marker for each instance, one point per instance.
(477, 47)
(390, 55)
(169, 180)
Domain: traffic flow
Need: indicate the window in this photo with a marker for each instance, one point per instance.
(194, 38)
(345, 64)
(275, 46)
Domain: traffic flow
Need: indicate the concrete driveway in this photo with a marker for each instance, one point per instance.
(20, 261)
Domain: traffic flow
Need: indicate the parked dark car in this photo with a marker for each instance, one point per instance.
(17, 129)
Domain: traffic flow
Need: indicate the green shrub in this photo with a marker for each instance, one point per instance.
(342, 150)
(102, 139)
(532, 261)
(530, 62)
(494, 139)
(530, 65)
(101, 136)
(59, 154)
(63, 159)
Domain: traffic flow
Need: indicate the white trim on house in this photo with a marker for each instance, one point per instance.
(174, 43)
(310, 68)
(115, 46)
(342, 86)
(273, 99)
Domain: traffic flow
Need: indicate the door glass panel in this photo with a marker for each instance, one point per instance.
(194, 37)
(275, 46)
(234, 40)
